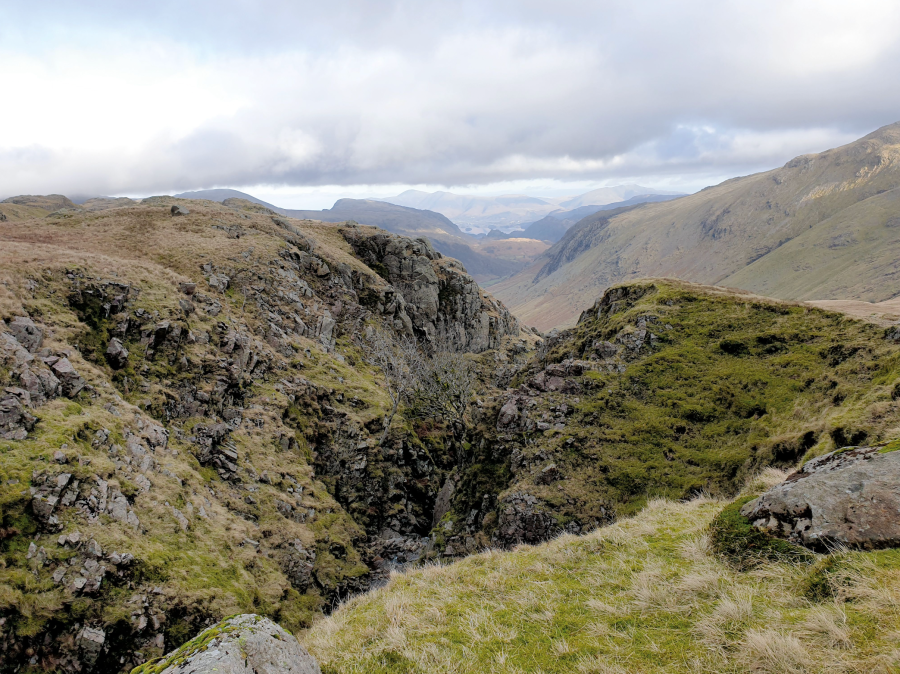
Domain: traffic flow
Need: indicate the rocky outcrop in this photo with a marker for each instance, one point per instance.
(244, 644)
(430, 296)
(849, 497)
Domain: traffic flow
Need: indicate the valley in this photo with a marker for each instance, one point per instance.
(192, 428)
(819, 228)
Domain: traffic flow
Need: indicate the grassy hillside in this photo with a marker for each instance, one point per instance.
(678, 390)
(822, 226)
(242, 407)
(648, 594)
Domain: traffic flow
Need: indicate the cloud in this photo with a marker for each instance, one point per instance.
(114, 97)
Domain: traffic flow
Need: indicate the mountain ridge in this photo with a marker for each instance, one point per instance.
(823, 226)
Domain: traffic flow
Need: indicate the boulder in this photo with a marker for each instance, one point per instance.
(26, 333)
(849, 497)
(15, 421)
(116, 354)
(69, 379)
(179, 210)
(243, 644)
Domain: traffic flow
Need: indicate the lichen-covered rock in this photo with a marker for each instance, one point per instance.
(244, 644)
(26, 333)
(849, 497)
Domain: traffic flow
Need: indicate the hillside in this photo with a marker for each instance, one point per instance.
(443, 233)
(480, 214)
(555, 225)
(821, 227)
(667, 390)
(188, 427)
(647, 594)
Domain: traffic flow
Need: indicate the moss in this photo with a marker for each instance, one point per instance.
(736, 540)
(892, 446)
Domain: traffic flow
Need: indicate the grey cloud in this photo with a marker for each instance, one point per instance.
(465, 93)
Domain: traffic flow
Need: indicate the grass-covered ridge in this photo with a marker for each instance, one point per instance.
(643, 595)
(722, 385)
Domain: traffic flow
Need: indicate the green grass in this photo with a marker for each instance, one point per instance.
(735, 539)
(647, 594)
(731, 385)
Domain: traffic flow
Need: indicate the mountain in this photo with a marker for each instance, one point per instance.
(554, 226)
(190, 425)
(823, 226)
(481, 214)
(609, 195)
(623, 443)
(221, 195)
(478, 213)
(444, 234)
(195, 423)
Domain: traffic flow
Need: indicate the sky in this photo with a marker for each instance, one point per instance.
(301, 103)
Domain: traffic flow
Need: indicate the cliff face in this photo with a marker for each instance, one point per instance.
(437, 299)
(188, 425)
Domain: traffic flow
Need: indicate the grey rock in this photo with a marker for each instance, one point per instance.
(523, 519)
(509, 414)
(15, 421)
(849, 497)
(243, 644)
(179, 210)
(429, 296)
(26, 333)
(90, 642)
(10, 348)
(70, 381)
(116, 354)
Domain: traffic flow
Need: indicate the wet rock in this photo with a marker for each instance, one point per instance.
(26, 333)
(849, 497)
(243, 644)
(116, 354)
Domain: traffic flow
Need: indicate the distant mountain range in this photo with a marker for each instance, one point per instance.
(553, 227)
(484, 266)
(823, 226)
(479, 215)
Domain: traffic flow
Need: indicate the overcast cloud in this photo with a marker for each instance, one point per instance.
(368, 97)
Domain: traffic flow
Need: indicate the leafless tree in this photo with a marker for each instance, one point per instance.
(444, 385)
(395, 357)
